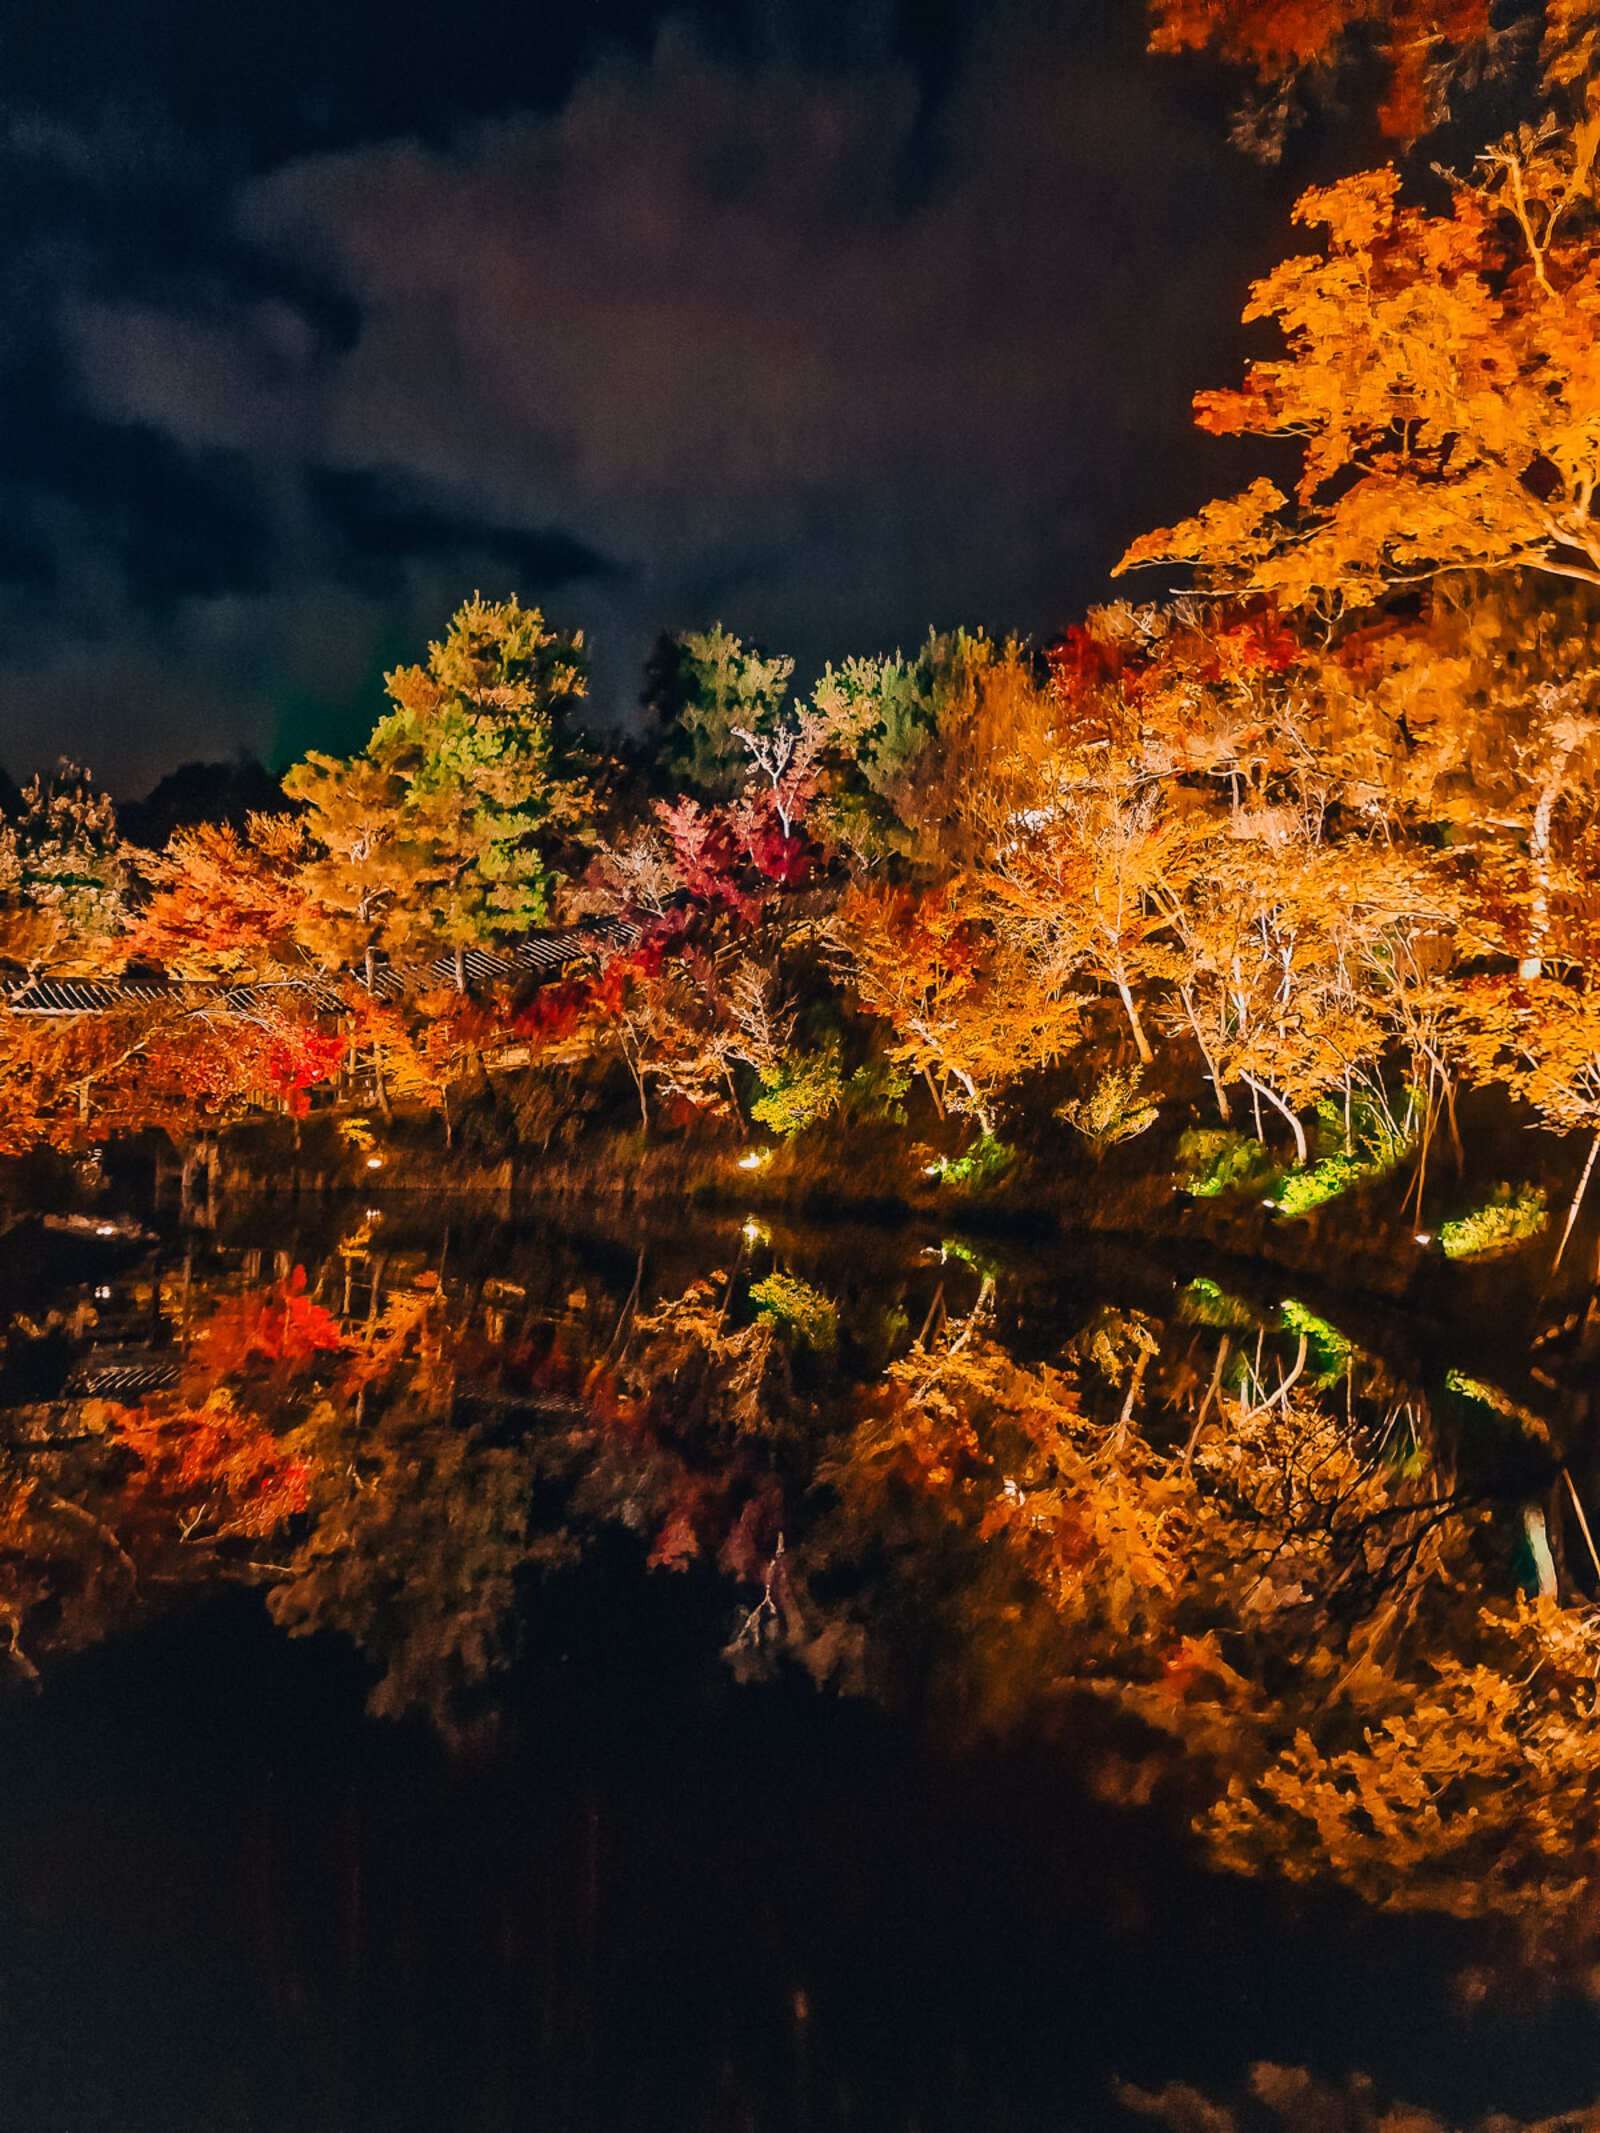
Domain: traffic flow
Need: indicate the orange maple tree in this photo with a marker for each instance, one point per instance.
(1441, 381)
(1425, 49)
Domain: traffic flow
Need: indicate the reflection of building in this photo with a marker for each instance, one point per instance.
(108, 1373)
(122, 1338)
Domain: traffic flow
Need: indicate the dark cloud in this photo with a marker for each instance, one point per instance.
(832, 351)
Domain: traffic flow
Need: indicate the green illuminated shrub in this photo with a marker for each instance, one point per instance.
(809, 1315)
(982, 1165)
(1509, 1219)
(1213, 1161)
(878, 1091)
(1481, 1394)
(1374, 1147)
(1302, 1190)
(1204, 1302)
(799, 1091)
(1328, 1349)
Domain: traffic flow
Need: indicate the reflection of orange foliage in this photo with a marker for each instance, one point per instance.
(214, 1465)
(283, 1329)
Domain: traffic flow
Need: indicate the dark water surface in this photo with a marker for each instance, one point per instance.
(499, 1743)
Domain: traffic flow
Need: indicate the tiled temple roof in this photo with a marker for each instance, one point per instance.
(537, 955)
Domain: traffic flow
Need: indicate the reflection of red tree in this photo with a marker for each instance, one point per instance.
(213, 1466)
(282, 1328)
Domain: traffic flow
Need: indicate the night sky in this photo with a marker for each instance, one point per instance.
(831, 321)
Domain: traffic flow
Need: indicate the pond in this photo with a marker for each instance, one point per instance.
(464, 1673)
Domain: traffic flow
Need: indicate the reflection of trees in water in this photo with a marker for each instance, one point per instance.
(1294, 1574)
(1290, 2099)
(1294, 1587)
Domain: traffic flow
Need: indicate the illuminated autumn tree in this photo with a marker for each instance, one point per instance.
(1084, 880)
(704, 685)
(171, 1064)
(478, 743)
(1303, 958)
(224, 904)
(968, 1008)
(1438, 377)
(992, 733)
(663, 1018)
(799, 1088)
(358, 871)
(1540, 1038)
(905, 730)
(1426, 51)
(65, 875)
(70, 1080)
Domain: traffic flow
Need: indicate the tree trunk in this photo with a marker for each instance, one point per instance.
(1538, 1539)
(1141, 1041)
(1532, 964)
(980, 1110)
(639, 1087)
(1459, 1151)
(1301, 1151)
(1577, 1201)
(1212, 1075)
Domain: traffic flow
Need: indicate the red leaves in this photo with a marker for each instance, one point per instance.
(281, 1329)
(295, 1058)
(1421, 43)
(554, 1011)
(716, 849)
(215, 1464)
(1079, 659)
(705, 849)
(784, 860)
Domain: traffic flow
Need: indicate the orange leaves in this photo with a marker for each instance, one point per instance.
(1423, 44)
(971, 1006)
(1473, 1795)
(1356, 212)
(1240, 527)
(215, 1466)
(282, 1329)
(1439, 378)
(223, 904)
(1266, 35)
(1541, 1039)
